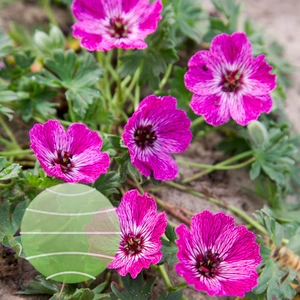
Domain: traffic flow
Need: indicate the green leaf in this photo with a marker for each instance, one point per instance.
(82, 294)
(7, 112)
(5, 44)
(39, 181)
(40, 286)
(134, 289)
(45, 43)
(8, 170)
(231, 10)
(108, 183)
(172, 296)
(77, 74)
(270, 282)
(190, 21)
(127, 168)
(5, 224)
(18, 214)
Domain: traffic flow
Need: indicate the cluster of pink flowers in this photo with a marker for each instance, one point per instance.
(215, 255)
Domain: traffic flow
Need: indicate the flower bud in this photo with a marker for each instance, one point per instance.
(258, 134)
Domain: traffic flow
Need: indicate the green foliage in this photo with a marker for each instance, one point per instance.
(76, 74)
(172, 296)
(169, 248)
(190, 21)
(134, 289)
(5, 44)
(10, 224)
(273, 284)
(47, 43)
(108, 183)
(156, 57)
(275, 230)
(126, 168)
(40, 286)
(8, 170)
(38, 180)
(275, 156)
(229, 23)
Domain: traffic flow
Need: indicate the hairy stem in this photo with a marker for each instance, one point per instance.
(16, 152)
(215, 167)
(166, 77)
(197, 121)
(234, 209)
(9, 133)
(49, 12)
(162, 271)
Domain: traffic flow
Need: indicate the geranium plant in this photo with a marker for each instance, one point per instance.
(111, 101)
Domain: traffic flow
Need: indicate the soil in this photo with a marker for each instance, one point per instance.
(279, 19)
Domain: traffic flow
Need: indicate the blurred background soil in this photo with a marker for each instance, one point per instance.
(278, 18)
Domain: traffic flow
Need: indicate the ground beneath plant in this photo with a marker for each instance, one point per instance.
(279, 19)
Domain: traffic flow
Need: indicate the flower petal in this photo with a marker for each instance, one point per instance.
(247, 108)
(259, 81)
(233, 49)
(214, 108)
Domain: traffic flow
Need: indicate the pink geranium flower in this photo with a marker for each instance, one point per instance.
(106, 24)
(73, 156)
(141, 230)
(156, 129)
(216, 256)
(228, 82)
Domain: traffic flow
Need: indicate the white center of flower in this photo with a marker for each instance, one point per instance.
(64, 159)
(118, 28)
(231, 81)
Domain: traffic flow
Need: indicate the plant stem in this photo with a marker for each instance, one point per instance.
(6, 143)
(234, 209)
(49, 12)
(162, 271)
(197, 122)
(61, 290)
(178, 287)
(16, 152)
(216, 167)
(6, 185)
(9, 133)
(223, 163)
(71, 112)
(120, 92)
(166, 77)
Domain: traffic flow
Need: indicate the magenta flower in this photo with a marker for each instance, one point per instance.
(228, 82)
(141, 229)
(217, 256)
(106, 24)
(73, 156)
(156, 129)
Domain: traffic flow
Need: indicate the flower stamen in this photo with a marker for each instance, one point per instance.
(231, 81)
(208, 263)
(118, 28)
(133, 244)
(145, 136)
(64, 160)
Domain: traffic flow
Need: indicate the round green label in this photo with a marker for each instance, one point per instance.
(70, 233)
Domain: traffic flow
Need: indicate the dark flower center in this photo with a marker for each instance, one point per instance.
(118, 28)
(145, 136)
(64, 160)
(133, 244)
(231, 81)
(208, 263)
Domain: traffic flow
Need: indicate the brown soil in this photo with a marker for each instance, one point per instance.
(281, 20)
